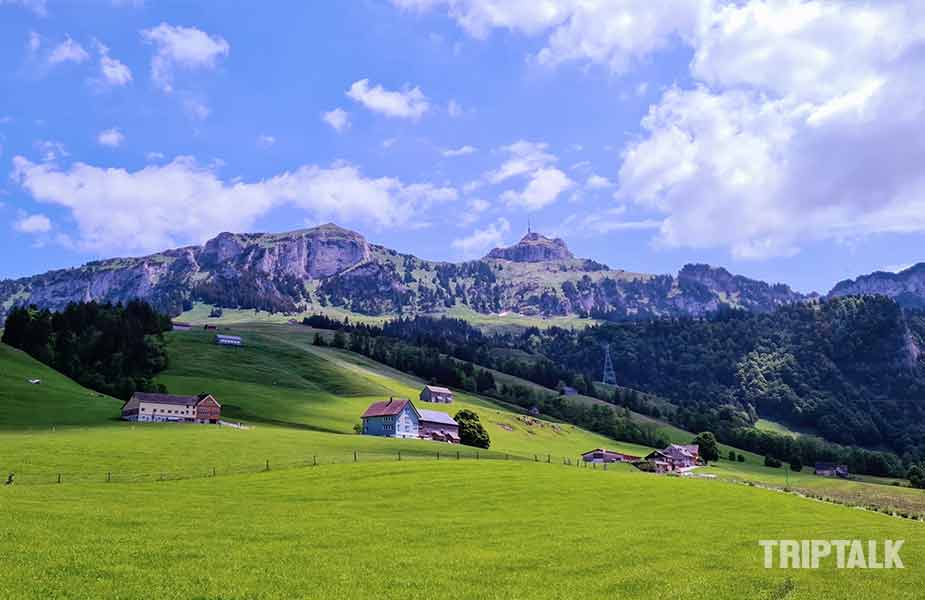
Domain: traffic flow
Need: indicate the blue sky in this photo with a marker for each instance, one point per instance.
(648, 135)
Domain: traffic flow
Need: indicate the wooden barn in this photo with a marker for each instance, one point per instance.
(603, 455)
(437, 394)
(439, 426)
(159, 408)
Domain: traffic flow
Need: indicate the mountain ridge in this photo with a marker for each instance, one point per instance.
(329, 265)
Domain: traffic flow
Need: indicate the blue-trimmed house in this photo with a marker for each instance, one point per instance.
(396, 417)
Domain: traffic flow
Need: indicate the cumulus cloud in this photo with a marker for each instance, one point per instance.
(178, 47)
(113, 72)
(454, 109)
(338, 118)
(597, 182)
(112, 138)
(524, 157)
(533, 161)
(50, 150)
(37, 223)
(265, 141)
(461, 151)
(164, 205)
(541, 190)
(39, 7)
(408, 103)
(482, 240)
(66, 51)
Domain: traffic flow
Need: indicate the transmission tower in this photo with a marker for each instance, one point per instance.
(610, 376)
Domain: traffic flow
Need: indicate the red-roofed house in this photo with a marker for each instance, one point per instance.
(396, 417)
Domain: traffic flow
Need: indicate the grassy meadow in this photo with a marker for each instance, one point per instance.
(418, 529)
(139, 514)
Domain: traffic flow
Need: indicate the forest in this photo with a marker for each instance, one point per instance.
(112, 349)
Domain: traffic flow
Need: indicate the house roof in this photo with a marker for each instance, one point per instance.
(437, 389)
(435, 416)
(606, 451)
(388, 408)
(689, 449)
(171, 399)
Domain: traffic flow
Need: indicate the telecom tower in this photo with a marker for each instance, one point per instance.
(610, 376)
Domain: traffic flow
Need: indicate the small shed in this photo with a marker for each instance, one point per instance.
(827, 469)
(436, 394)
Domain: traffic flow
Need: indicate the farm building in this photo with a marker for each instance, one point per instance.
(826, 469)
(436, 425)
(177, 326)
(439, 395)
(673, 458)
(396, 417)
(603, 455)
(569, 391)
(228, 340)
(165, 407)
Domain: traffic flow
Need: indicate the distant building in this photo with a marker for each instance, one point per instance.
(534, 411)
(602, 455)
(439, 395)
(228, 340)
(209, 327)
(569, 391)
(673, 458)
(177, 326)
(826, 469)
(147, 407)
(396, 418)
(436, 425)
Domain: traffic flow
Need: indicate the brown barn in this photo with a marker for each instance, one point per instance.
(146, 407)
(434, 393)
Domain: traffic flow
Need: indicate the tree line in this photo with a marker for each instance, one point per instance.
(112, 349)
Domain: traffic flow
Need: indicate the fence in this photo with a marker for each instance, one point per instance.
(115, 476)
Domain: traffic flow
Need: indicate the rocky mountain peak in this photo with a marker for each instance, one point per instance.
(533, 247)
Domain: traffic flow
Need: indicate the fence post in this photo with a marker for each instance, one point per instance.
(506, 456)
(268, 464)
(399, 456)
(314, 460)
(354, 456)
(108, 477)
(59, 477)
(213, 471)
(548, 458)
(535, 459)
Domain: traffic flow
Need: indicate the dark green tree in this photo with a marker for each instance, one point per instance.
(471, 432)
(709, 450)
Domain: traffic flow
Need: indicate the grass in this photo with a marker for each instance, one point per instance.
(428, 529)
(56, 401)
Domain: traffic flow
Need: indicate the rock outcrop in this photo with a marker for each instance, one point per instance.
(906, 287)
(533, 247)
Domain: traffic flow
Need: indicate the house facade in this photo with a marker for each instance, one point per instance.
(228, 340)
(439, 426)
(396, 417)
(675, 457)
(437, 394)
(159, 408)
(603, 455)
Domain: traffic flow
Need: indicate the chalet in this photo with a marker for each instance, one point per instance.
(826, 469)
(569, 391)
(166, 407)
(675, 457)
(177, 326)
(439, 395)
(439, 426)
(397, 418)
(228, 340)
(603, 455)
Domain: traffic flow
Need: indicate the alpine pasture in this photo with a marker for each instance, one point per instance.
(281, 510)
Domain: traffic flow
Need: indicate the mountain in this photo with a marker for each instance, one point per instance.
(331, 266)
(906, 287)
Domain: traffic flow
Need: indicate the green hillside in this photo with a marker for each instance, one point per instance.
(56, 401)
(490, 530)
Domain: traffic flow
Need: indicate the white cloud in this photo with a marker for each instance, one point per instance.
(525, 157)
(542, 189)
(480, 241)
(111, 137)
(39, 7)
(389, 142)
(409, 103)
(66, 51)
(454, 109)
(896, 268)
(181, 202)
(37, 223)
(474, 209)
(461, 151)
(113, 73)
(794, 135)
(50, 150)
(338, 118)
(182, 48)
(154, 156)
(597, 182)
(265, 141)
(34, 43)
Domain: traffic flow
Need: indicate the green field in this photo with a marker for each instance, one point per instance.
(297, 505)
(426, 529)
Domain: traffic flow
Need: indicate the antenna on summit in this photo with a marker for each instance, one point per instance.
(529, 228)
